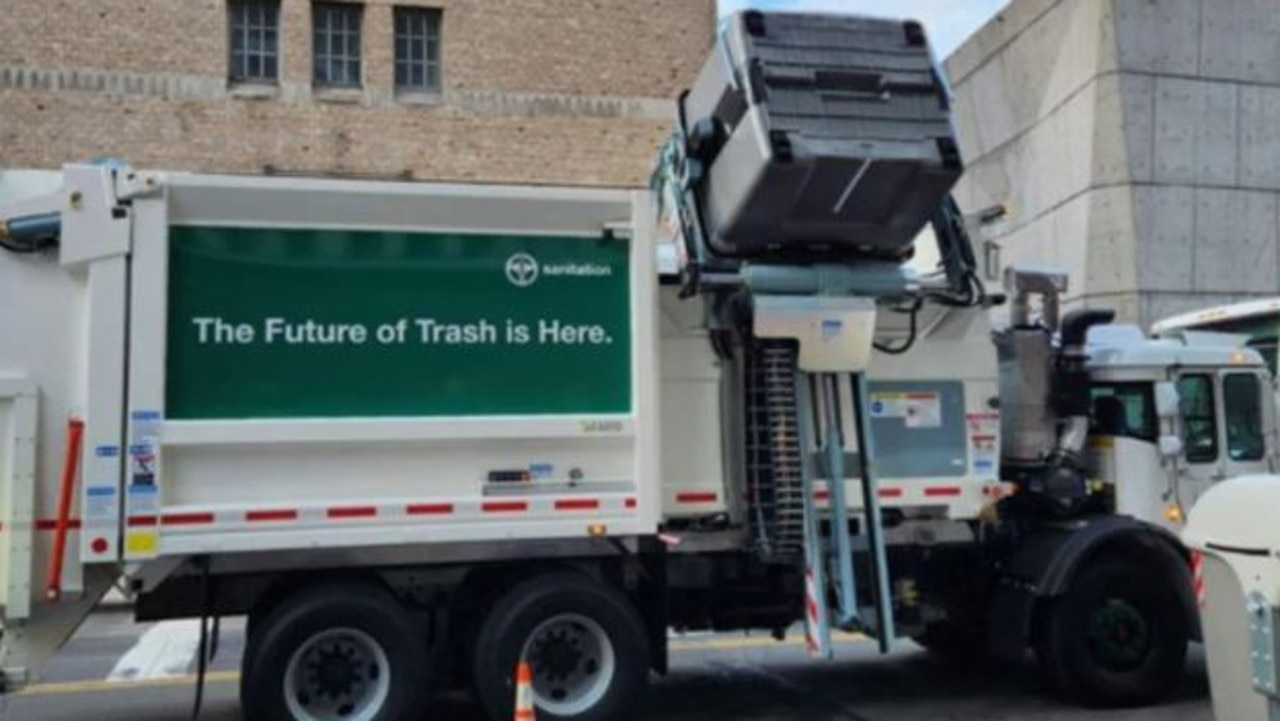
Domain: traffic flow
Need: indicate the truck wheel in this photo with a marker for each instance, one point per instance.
(337, 653)
(1117, 637)
(584, 641)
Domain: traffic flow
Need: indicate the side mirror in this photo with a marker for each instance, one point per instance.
(1167, 399)
(1170, 446)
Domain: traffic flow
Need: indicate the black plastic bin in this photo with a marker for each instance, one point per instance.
(820, 134)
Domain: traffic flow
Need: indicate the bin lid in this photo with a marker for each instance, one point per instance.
(1240, 515)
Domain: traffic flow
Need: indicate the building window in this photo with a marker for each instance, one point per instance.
(254, 27)
(417, 44)
(336, 44)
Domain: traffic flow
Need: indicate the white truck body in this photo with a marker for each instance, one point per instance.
(215, 475)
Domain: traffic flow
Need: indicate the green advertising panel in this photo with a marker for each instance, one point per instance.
(292, 323)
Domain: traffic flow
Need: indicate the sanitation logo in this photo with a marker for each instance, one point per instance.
(522, 270)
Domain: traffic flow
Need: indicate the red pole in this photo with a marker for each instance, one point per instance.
(70, 466)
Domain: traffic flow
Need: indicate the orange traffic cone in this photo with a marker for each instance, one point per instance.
(524, 692)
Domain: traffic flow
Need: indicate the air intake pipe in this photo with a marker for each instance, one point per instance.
(1064, 484)
(1071, 377)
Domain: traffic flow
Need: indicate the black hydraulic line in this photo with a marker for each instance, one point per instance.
(687, 209)
(954, 246)
(204, 654)
(215, 635)
(955, 249)
(913, 315)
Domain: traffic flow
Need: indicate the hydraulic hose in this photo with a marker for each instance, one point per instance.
(30, 233)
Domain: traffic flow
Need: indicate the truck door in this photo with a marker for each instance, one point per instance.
(1201, 437)
(1244, 429)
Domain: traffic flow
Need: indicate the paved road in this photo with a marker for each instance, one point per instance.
(730, 678)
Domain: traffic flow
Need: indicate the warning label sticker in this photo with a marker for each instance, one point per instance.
(99, 503)
(917, 410)
(983, 442)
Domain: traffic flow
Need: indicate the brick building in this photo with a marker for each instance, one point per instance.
(525, 91)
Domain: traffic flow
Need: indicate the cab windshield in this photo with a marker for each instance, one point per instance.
(1123, 409)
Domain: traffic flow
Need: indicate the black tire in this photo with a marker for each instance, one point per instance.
(365, 609)
(1117, 637)
(518, 613)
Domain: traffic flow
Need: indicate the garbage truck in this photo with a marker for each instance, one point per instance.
(419, 433)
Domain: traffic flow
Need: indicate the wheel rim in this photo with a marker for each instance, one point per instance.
(340, 674)
(573, 664)
(1119, 635)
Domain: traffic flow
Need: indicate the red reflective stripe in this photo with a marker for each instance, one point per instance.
(504, 506)
(276, 514)
(696, 497)
(352, 512)
(631, 503)
(577, 504)
(822, 495)
(143, 520)
(428, 509)
(942, 491)
(186, 519)
(1197, 570)
(48, 524)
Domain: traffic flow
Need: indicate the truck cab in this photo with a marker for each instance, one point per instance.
(1172, 416)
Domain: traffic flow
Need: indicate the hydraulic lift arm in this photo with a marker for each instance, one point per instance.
(797, 230)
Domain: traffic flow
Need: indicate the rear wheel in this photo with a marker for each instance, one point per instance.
(584, 641)
(1118, 637)
(338, 653)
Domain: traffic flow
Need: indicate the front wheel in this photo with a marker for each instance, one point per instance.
(1117, 637)
(584, 641)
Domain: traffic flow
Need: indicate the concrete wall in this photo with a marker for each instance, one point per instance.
(1137, 143)
(533, 91)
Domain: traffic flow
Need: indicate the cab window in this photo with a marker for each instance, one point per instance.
(1123, 409)
(1199, 422)
(1242, 404)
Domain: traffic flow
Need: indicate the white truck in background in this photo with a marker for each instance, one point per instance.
(1257, 320)
(420, 432)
